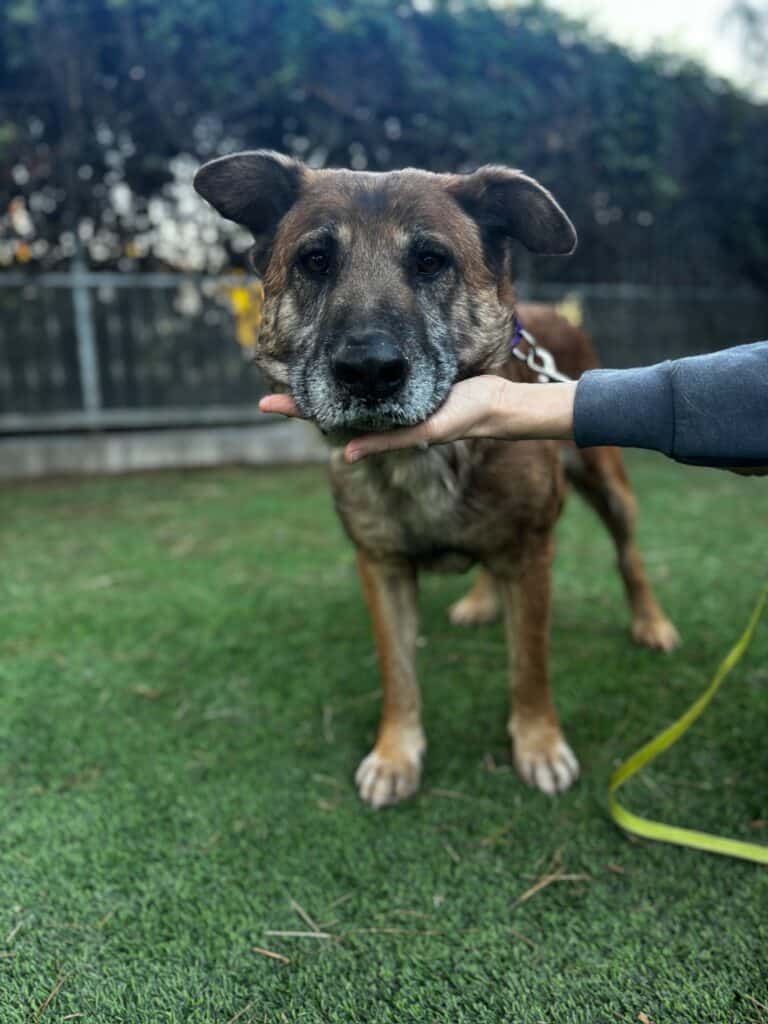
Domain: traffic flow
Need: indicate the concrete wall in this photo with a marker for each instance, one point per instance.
(279, 442)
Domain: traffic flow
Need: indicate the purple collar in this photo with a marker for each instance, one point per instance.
(517, 334)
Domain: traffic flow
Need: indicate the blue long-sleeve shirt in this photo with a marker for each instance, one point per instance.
(709, 410)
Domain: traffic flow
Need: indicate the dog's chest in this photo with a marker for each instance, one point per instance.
(408, 503)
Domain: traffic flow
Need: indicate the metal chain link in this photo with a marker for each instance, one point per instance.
(540, 360)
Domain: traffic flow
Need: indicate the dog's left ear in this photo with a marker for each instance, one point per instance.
(509, 203)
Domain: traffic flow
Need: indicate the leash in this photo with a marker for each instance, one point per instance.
(657, 830)
(542, 362)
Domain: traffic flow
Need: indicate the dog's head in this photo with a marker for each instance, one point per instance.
(381, 290)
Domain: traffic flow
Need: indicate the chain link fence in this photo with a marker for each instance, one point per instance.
(83, 350)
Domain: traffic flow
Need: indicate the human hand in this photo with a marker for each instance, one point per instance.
(485, 406)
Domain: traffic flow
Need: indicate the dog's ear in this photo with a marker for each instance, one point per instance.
(255, 189)
(509, 203)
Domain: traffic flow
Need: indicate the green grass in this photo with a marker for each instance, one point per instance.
(187, 685)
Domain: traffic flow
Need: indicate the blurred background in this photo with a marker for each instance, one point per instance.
(125, 310)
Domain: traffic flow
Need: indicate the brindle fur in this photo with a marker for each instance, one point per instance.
(471, 502)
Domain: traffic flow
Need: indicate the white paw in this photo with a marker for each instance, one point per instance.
(657, 633)
(472, 611)
(552, 769)
(390, 773)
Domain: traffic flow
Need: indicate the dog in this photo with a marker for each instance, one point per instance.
(382, 290)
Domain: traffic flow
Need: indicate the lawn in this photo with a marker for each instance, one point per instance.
(187, 684)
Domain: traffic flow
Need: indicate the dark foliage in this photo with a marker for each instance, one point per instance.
(661, 166)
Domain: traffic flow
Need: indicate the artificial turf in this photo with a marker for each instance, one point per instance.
(187, 684)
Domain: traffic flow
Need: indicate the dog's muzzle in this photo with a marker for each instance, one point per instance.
(369, 366)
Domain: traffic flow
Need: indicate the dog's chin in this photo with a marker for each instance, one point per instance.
(340, 431)
(341, 426)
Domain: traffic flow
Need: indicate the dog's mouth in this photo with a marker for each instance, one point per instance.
(342, 415)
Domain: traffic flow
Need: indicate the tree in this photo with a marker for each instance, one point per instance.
(106, 107)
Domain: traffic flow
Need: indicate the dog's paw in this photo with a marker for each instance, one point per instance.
(392, 771)
(473, 610)
(544, 760)
(655, 632)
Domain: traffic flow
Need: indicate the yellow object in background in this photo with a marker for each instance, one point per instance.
(247, 302)
(23, 252)
(569, 307)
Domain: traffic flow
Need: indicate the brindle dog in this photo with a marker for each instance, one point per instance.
(382, 291)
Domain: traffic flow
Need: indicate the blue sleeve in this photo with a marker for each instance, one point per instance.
(709, 410)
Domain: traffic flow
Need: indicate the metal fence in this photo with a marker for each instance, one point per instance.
(84, 350)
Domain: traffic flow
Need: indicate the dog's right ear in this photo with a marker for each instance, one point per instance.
(255, 189)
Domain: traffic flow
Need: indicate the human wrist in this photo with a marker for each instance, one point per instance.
(533, 411)
(559, 412)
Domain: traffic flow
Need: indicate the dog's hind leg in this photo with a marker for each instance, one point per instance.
(599, 475)
(392, 770)
(542, 756)
(479, 605)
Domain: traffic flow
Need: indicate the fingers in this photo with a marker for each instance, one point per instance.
(370, 444)
(467, 412)
(284, 405)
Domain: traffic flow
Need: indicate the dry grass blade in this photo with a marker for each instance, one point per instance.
(755, 1002)
(341, 899)
(299, 935)
(15, 930)
(303, 914)
(549, 879)
(542, 883)
(452, 853)
(270, 953)
(523, 938)
(50, 997)
(241, 1013)
(107, 917)
(495, 836)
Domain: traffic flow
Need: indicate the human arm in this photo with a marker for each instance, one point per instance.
(707, 410)
(485, 406)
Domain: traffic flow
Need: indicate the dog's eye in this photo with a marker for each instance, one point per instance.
(315, 262)
(428, 264)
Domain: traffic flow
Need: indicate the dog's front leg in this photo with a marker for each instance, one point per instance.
(392, 770)
(542, 756)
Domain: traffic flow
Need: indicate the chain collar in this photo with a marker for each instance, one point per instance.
(536, 358)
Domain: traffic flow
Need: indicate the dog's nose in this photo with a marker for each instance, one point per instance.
(369, 365)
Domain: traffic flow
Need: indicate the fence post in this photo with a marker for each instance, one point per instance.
(85, 331)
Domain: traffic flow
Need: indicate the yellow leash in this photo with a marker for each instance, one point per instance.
(671, 833)
(542, 362)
